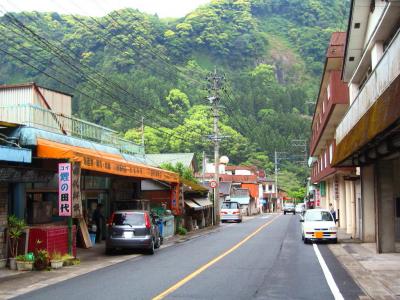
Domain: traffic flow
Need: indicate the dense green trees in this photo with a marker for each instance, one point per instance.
(135, 64)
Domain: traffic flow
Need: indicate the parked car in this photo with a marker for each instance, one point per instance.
(318, 225)
(132, 229)
(288, 208)
(230, 211)
(300, 208)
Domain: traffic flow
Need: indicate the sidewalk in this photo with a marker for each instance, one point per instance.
(378, 275)
(14, 283)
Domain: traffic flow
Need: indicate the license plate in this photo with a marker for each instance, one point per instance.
(128, 234)
(319, 234)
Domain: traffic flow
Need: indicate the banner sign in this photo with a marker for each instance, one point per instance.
(64, 190)
(76, 190)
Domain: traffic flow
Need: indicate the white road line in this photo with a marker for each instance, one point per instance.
(328, 276)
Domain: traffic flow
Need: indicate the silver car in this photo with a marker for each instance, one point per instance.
(132, 229)
(230, 211)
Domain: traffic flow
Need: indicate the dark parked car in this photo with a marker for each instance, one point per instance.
(132, 229)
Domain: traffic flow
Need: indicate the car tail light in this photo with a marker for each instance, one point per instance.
(147, 221)
(223, 212)
(110, 220)
(236, 212)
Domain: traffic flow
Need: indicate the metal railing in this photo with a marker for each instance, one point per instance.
(381, 77)
(38, 117)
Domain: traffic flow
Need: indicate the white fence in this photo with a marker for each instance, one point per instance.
(383, 75)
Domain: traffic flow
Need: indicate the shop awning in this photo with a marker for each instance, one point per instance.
(193, 186)
(193, 205)
(203, 202)
(102, 162)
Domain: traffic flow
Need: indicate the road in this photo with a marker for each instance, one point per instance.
(262, 258)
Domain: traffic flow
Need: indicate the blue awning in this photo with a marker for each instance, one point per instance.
(13, 154)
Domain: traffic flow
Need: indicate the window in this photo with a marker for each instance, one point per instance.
(270, 187)
(133, 219)
(330, 153)
(312, 216)
(230, 205)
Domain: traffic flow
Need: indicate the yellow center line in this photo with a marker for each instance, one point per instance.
(210, 263)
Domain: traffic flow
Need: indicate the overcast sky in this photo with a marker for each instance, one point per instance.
(164, 8)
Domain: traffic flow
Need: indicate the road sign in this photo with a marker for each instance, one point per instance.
(213, 184)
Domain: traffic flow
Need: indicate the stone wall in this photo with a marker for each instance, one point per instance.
(3, 217)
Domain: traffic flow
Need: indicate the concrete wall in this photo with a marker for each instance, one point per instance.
(368, 203)
(3, 217)
(342, 203)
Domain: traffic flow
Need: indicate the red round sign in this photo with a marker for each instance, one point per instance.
(213, 184)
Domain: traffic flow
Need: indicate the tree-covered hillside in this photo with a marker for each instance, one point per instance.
(128, 65)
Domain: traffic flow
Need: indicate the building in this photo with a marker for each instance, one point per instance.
(105, 169)
(337, 186)
(240, 178)
(368, 135)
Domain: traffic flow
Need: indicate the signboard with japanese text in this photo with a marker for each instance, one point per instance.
(64, 190)
(76, 190)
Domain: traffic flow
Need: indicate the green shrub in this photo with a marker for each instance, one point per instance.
(181, 231)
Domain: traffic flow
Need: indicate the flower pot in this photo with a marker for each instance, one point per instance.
(3, 263)
(20, 265)
(56, 264)
(41, 264)
(29, 265)
(13, 264)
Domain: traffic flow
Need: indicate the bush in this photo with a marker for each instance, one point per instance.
(181, 231)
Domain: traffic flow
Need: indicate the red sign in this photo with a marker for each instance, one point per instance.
(64, 190)
(213, 184)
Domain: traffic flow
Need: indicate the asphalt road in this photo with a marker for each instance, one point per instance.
(272, 263)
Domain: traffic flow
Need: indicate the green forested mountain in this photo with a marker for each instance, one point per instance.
(136, 65)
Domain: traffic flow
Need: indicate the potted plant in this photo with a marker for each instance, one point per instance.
(56, 260)
(15, 230)
(29, 260)
(20, 261)
(41, 259)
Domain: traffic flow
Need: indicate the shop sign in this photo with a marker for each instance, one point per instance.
(64, 190)
(76, 190)
(336, 186)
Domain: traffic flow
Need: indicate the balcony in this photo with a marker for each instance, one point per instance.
(333, 101)
(38, 117)
(387, 70)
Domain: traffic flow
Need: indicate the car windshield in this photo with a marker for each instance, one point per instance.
(318, 216)
(289, 205)
(229, 205)
(132, 219)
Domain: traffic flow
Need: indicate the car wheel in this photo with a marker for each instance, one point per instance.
(305, 241)
(334, 241)
(294, 212)
(284, 212)
(158, 243)
(151, 249)
(302, 237)
(239, 221)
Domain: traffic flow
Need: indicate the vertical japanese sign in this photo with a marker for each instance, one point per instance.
(76, 190)
(64, 190)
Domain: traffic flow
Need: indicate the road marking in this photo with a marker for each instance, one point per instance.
(328, 276)
(210, 263)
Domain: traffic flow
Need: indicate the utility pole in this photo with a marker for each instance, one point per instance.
(143, 131)
(215, 85)
(276, 177)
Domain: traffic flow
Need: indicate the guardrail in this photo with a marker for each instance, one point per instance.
(38, 117)
(381, 77)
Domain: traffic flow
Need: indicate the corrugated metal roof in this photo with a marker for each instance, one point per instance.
(173, 158)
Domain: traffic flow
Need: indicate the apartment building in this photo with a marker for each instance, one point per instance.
(368, 136)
